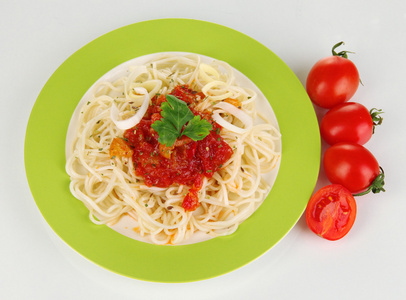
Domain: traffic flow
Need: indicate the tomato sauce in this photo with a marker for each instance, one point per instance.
(187, 162)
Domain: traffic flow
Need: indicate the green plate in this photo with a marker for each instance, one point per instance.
(49, 183)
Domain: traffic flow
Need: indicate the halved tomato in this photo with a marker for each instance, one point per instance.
(331, 212)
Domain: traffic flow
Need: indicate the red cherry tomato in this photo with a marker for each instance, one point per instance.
(349, 122)
(331, 212)
(352, 166)
(332, 80)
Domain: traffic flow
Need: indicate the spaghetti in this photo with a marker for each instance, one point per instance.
(112, 186)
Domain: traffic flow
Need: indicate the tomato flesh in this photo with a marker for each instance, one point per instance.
(347, 122)
(186, 163)
(351, 165)
(331, 212)
(331, 81)
(191, 201)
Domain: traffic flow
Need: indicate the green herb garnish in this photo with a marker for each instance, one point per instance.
(175, 114)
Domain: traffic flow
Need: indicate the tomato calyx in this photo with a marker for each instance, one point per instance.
(341, 53)
(376, 118)
(376, 185)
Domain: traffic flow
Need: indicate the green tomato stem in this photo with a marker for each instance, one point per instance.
(376, 186)
(376, 118)
(341, 53)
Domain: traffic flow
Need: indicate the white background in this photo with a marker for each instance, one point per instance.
(369, 263)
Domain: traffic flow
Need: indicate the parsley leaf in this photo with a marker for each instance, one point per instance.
(166, 131)
(197, 128)
(175, 114)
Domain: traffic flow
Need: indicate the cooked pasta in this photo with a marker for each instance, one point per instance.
(110, 185)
